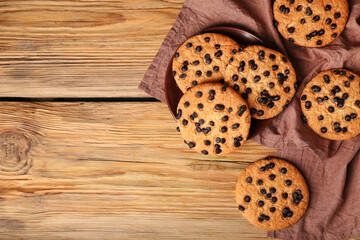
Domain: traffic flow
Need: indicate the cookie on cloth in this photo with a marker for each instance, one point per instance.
(202, 58)
(213, 119)
(330, 103)
(272, 194)
(310, 23)
(265, 79)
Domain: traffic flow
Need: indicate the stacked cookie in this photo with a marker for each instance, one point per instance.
(224, 85)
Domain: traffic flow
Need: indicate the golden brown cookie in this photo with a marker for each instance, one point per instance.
(213, 119)
(310, 23)
(330, 103)
(272, 194)
(264, 78)
(202, 58)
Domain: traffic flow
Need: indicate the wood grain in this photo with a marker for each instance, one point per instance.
(80, 48)
(110, 171)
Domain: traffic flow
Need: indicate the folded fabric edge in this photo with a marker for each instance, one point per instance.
(323, 236)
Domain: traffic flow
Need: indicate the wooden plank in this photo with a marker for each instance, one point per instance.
(80, 48)
(113, 171)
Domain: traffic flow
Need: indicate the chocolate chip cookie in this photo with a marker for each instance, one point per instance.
(202, 58)
(330, 103)
(272, 194)
(310, 23)
(213, 119)
(265, 79)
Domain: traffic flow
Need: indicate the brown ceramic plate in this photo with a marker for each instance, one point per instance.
(173, 93)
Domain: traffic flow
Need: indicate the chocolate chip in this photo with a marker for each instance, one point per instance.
(321, 32)
(334, 35)
(198, 49)
(271, 105)
(245, 96)
(216, 69)
(307, 104)
(351, 77)
(272, 57)
(324, 130)
(328, 21)
(291, 30)
(287, 10)
(316, 88)
(241, 208)
(207, 39)
(261, 203)
(209, 73)
(302, 21)
(235, 126)
(319, 42)
(201, 121)
(177, 55)
(196, 63)
(299, 8)
(260, 113)
(218, 54)
(291, 40)
(184, 68)
(344, 130)
(309, 11)
(224, 129)
(198, 73)
(236, 87)
(260, 182)
(247, 199)
(185, 122)
(208, 60)
(333, 26)
(257, 78)
(285, 195)
(288, 182)
(310, 1)
(217, 46)
(235, 77)
(189, 45)
(274, 199)
(326, 79)
(272, 177)
(348, 118)
(338, 130)
(331, 109)
(316, 18)
(182, 75)
(328, 7)
(337, 15)
(225, 118)
(353, 116)
(268, 195)
(287, 89)
(243, 80)
(262, 191)
(248, 90)
(357, 103)
(272, 190)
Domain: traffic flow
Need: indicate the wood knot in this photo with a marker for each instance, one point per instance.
(14, 153)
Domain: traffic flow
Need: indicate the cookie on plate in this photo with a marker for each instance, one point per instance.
(272, 194)
(265, 79)
(202, 58)
(213, 119)
(310, 23)
(330, 103)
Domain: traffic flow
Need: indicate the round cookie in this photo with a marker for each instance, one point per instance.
(202, 58)
(330, 103)
(310, 23)
(213, 119)
(272, 194)
(265, 79)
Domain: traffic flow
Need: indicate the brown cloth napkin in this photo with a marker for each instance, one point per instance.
(331, 168)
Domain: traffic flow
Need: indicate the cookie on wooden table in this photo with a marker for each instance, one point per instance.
(310, 23)
(265, 79)
(330, 103)
(272, 194)
(213, 119)
(202, 58)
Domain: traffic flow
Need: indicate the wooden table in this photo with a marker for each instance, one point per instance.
(83, 153)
